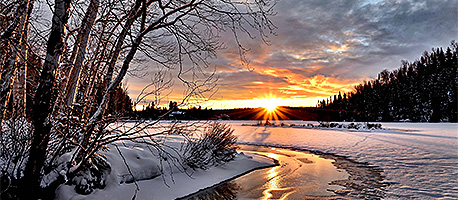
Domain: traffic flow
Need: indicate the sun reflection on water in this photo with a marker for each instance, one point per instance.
(272, 173)
(273, 185)
(298, 174)
(272, 155)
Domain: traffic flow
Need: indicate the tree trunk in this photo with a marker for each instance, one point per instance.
(8, 75)
(19, 87)
(79, 51)
(9, 70)
(89, 127)
(44, 99)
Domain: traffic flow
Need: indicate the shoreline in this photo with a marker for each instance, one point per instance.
(203, 190)
(364, 181)
(363, 175)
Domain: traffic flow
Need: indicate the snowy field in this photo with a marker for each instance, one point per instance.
(419, 160)
(157, 178)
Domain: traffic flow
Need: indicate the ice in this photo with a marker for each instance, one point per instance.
(421, 160)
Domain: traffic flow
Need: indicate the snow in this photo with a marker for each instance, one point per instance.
(420, 160)
(156, 178)
(360, 127)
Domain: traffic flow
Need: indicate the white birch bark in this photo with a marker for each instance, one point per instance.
(79, 51)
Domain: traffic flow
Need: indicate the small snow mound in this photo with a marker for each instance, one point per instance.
(243, 156)
(141, 165)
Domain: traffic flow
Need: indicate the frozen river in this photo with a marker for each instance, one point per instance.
(419, 160)
(300, 174)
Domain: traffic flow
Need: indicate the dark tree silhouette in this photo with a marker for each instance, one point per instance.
(420, 91)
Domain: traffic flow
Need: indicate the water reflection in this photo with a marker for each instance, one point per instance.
(274, 190)
(298, 175)
(273, 182)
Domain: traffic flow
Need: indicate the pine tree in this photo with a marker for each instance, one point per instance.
(424, 90)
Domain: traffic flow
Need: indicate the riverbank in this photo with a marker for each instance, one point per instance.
(160, 179)
(301, 174)
(257, 172)
(418, 159)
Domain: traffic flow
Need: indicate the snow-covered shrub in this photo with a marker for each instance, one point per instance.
(93, 174)
(15, 140)
(93, 177)
(374, 126)
(356, 126)
(215, 146)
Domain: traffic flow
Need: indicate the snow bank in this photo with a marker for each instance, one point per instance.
(157, 178)
(359, 127)
(420, 160)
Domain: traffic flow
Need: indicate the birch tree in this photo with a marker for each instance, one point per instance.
(44, 97)
(90, 49)
(14, 53)
(79, 51)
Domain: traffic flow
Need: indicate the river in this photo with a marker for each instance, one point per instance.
(298, 175)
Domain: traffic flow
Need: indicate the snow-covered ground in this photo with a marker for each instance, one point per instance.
(420, 160)
(145, 165)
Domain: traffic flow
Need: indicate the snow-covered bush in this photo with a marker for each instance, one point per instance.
(14, 145)
(356, 126)
(216, 145)
(93, 177)
(15, 141)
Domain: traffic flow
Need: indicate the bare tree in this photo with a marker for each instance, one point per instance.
(13, 45)
(79, 51)
(90, 49)
(44, 97)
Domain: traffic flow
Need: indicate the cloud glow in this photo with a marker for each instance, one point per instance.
(323, 47)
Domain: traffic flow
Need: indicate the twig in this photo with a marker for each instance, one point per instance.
(130, 172)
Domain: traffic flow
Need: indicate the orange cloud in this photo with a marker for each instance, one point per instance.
(315, 86)
(288, 84)
(336, 48)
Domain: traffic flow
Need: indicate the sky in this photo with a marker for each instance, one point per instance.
(321, 47)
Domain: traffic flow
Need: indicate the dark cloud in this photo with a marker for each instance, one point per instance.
(337, 42)
(361, 35)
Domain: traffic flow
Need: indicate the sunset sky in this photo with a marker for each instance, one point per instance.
(322, 47)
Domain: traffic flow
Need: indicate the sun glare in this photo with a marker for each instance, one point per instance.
(269, 104)
(273, 109)
(270, 108)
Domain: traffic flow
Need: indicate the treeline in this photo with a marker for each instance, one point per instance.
(61, 66)
(172, 112)
(420, 91)
(152, 112)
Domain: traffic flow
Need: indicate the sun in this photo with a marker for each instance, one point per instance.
(269, 104)
(270, 108)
